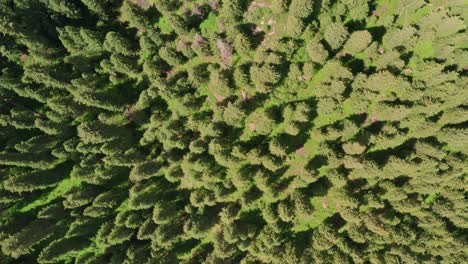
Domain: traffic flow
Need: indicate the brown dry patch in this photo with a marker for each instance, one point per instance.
(196, 10)
(167, 73)
(129, 113)
(181, 45)
(370, 120)
(301, 152)
(219, 98)
(221, 26)
(198, 39)
(341, 54)
(254, 5)
(186, 10)
(145, 4)
(214, 5)
(24, 57)
(244, 95)
(225, 51)
(408, 71)
(271, 22)
(251, 127)
(325, 203)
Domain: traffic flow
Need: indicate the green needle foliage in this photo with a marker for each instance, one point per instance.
(233, 131)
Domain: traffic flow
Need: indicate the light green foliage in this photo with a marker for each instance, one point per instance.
(317, 53)
(231, 9)
(233, 116)
(98, 7)
(69, 9)
(232, 131)
(357, 42)
(262, 122)
(279, 6)
(294, 26)
(264, 77)
(335, 34)
(353, 148)
(300, 8)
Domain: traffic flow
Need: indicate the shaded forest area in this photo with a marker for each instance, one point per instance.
(233, 131)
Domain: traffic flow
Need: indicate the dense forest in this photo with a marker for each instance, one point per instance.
(233, 131)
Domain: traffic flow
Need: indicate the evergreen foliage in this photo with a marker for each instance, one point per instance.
(233, 131)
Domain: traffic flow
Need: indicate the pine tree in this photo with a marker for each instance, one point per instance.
(285, 211)
(96, 132)
(264, 77)
(21, 243)
(335, 35)
(98, 7)
(317, 53)
(165, 212)
(134, 15)
(302, 204)
(300, 8)
(29, 181)
(171, 56)
(115, 42)
(295, 26)
(62, 249)
(32, 160)
(233, 115)
(286, 131)
(357, 42)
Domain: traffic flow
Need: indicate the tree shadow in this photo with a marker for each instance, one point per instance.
(318, 188)
(377, 32)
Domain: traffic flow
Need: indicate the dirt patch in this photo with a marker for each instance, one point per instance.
(301, 152)
(145, 4)
(325, 203)
(24, 57)
(219, 98)
(225, 51)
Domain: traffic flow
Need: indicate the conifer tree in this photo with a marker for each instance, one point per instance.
(21, 243)
(300, 8)
(357, 42)
(335, 34)
(285, 131)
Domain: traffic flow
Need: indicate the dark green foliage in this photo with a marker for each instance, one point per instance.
(62, 249)
(232, 131)
(145, 170)
(21, 242)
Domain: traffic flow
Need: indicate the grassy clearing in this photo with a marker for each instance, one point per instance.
(324, 207)
(59, 190)
(164, 26)
(209, 25)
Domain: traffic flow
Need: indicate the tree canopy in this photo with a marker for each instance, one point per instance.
(233, 131)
